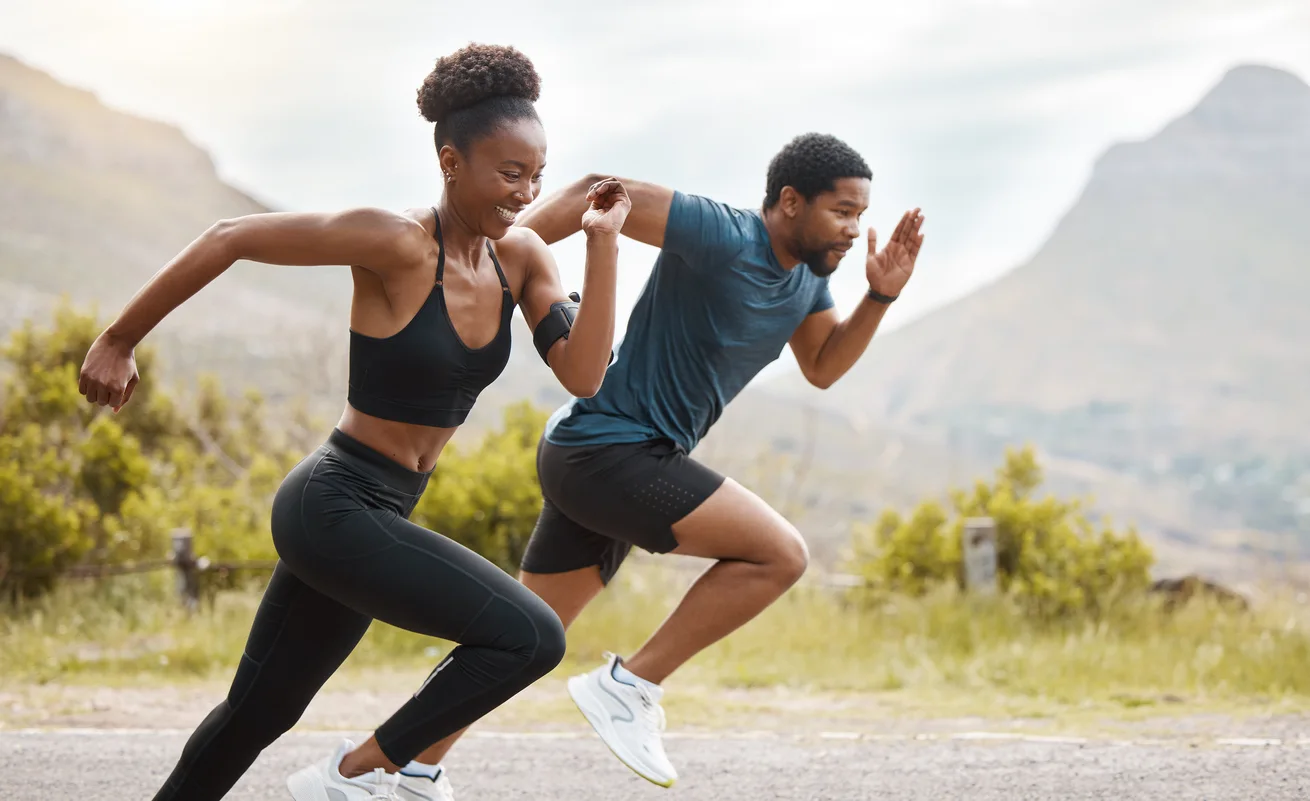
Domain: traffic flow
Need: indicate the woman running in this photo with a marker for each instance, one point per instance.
(429, 330)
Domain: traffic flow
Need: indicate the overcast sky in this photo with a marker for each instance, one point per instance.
(987, 113)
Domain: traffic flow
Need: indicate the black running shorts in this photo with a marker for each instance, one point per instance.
(599, 501)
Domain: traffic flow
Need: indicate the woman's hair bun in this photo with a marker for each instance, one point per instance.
(475, 73)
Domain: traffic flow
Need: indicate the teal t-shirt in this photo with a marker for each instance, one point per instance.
(716, 309)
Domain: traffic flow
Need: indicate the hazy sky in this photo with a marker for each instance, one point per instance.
(987, 113)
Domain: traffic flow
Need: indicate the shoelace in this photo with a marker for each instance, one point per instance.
(383, 793)
(651, 711)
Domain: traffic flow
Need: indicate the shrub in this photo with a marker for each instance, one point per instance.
(1050, 557)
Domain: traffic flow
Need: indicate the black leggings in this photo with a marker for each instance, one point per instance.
(348, 555)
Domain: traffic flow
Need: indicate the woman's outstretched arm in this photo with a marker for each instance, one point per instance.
(379, 241)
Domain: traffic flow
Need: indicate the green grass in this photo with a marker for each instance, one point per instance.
(942, 653)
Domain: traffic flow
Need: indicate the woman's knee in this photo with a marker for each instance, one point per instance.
(522, 629)
(549, 640)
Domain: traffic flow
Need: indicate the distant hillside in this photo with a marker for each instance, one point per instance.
(1142, 348)
(94, 201)
(1158, 339)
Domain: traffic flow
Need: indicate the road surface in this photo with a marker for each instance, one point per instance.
(123, 764)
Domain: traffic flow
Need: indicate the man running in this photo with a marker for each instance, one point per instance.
(730, 287)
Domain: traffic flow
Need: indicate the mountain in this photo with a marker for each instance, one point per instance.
(93, 201)
(1153, 348)
(1158, 340)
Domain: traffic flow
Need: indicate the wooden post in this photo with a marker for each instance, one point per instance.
(188, 573)
(979, 547)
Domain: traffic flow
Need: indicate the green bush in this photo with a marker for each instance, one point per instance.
(42, 533)
(1050, 557)
(85, 486)
(488, 499)
(82, 485)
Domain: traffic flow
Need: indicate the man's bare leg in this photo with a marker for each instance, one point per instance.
(760, 556)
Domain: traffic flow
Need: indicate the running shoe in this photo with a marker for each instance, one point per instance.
(628, 717)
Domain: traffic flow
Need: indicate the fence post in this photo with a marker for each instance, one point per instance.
(979, 546)
(188, 573)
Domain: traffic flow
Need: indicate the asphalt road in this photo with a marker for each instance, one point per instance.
(117, 765)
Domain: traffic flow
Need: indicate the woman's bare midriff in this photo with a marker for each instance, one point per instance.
(412, 446)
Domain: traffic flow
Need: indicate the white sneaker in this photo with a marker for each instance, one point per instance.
(323, 781)
(421, 788)
(628, 719)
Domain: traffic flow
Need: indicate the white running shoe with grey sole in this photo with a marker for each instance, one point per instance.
(628, 718)
(323, 781)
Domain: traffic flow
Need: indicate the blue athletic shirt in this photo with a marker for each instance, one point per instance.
(716, 309)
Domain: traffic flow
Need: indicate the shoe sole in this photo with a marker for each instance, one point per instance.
(604, 727)
(305, 786)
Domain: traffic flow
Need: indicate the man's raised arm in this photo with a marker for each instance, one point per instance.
(559, 214)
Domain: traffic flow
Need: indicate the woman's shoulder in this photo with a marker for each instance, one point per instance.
(520, 246)
(421, 221)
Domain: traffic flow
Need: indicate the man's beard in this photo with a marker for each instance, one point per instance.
(817, 261)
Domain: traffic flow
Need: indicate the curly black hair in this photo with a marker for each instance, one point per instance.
(479, 87)
(812, 163)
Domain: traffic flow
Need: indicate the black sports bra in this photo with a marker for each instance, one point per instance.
(425, 374)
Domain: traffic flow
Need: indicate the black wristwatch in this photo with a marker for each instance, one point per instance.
(874, 294)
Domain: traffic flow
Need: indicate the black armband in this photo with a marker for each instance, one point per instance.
(556, 325)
